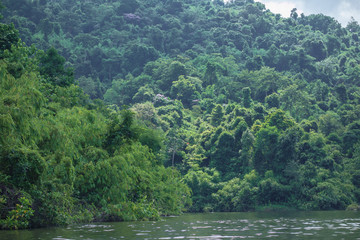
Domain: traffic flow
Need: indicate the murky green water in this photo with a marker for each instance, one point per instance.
(256, 225)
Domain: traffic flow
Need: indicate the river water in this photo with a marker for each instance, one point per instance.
(254, 225)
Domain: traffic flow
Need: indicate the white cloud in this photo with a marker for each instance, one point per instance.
(346, 11)
(283, 7)
(341, 10)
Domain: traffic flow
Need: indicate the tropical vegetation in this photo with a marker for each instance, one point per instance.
(129, 110)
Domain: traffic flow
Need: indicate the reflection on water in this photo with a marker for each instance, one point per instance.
(259, 225)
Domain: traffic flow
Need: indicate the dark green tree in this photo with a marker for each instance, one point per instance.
(225, 151)
(294, 15)
(246, 97)
(8, 36)
(217, 115)
(273, 100)
(210, 76)
(52, 67)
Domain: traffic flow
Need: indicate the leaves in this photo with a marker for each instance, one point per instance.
(270, 103)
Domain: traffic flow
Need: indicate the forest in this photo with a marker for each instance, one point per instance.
(114, 110)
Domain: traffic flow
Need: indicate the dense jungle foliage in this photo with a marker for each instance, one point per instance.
(154, 100)
(65, 158)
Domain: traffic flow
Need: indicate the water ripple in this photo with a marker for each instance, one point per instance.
(272, 225)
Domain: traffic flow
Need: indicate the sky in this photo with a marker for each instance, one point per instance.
(341, 10)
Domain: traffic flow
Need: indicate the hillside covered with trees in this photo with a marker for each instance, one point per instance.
(131, 106)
